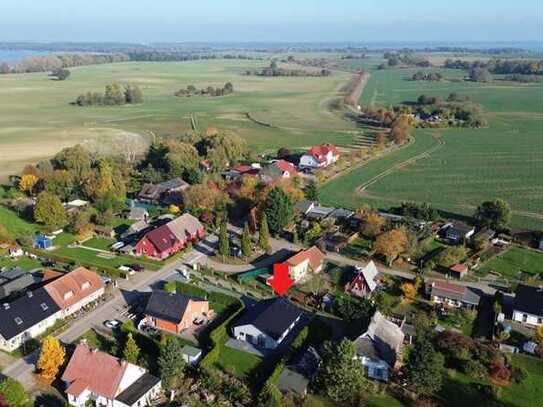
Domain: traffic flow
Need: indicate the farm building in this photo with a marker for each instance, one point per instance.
(458, 232)
(165, 193)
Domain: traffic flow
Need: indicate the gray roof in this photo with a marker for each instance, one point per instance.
(304, 206)
(138, 389)
(319, 212)
(15, 280)
(341, 213)
(529, 299)
(272, 316)
(386, 337)
(291, 381)
(137, 213)
(370, 273)
(185, 226)
(168, 306)
(191, 351)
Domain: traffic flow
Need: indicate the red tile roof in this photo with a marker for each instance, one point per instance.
(97, 371)
(450, 287)
(460, 268)
(73, 287)
(162, 238)
(285, 166)
(313, 254)
(320, 152)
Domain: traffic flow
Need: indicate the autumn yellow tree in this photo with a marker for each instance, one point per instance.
(28, 182)
(391, 244)
(409, 291)
(539, 334)
(373, 225)
(51, 359)
(174, 209)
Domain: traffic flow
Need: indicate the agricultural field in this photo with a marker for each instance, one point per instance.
(515, 262)
(456, 169)
(37, 119)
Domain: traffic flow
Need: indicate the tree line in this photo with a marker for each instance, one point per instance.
(55, 62)
(191, 90)
(275, 70)
(395, 59)
(114, 94)
(499, 66)
(427, 76)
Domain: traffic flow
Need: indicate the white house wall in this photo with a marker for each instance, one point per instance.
(241, 332)
(530, 318)
(30, 333)
(84, 302)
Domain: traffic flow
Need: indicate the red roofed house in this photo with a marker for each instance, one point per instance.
(168, 239)
(278, 170)
(75, 290)
(159, 243)
(96, 376)
(459, 270)
(320, 156)
(305, 261)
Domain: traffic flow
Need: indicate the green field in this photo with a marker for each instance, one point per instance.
(37, 119)
(515, 261)
(503, 160)
(14, 224)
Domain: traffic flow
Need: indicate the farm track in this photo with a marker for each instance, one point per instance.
(399, 166)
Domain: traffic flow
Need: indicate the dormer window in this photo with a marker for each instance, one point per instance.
(85, 285)
(18, 321)
(44, 306)
(68, 295)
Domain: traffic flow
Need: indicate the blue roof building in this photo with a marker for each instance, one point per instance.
(42, 242)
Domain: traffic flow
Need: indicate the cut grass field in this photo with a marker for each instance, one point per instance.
(514, 262)
(14, 224)
(473, 165)
(37, 119)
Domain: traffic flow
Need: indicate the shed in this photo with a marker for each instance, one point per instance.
(191, 354)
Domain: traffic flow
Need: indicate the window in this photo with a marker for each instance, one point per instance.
(44, 306)
(18, 321)
(524, 317)
(539, 321)
(68, 295)
(85, 285)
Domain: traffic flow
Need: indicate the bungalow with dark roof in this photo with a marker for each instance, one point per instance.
(320, 156)
(458, 232)
(528, 305)
(174, 312)
(267, 323)
(95, 376)
(453, 295)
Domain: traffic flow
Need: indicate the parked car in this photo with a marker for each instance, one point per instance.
(127, 270)
(113, 324)
(137, 267)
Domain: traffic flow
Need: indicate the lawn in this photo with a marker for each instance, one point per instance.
(99, 243)
(26, 263)
(374, 401)
(460, 390)
(471, 166)
(236, 362)
(37, 119)
(514, 261)
(14, 224)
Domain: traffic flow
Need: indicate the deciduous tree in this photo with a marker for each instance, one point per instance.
(373, 225)
(49, 210)
(391, 244)
(13, 394)
(494, 214)
(28, 182)
(311, 192)
(51, 359)
(424, 367)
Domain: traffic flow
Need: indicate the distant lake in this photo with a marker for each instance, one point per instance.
(17, 55)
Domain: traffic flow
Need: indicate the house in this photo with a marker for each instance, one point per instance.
(319, 213)
(15, 280)
(278, 170)
(299, 372)
(136, 213)
(136, 228)
(205, 165)
(104, 231)
(267, 323)
(165, 193)
(379, 348)
(75, 290)
(458, 232)
(305, 261)
(15, 252)
(459, 271)
(191, 354)
(320, 156)
(365, 282)
(75, 205)
(333, 242)
(171, 237)
(240, 170)
(26, 317)
(304, 206)
(528, 305)
(95, 376)
(453, 295)
(341, 215)
(159, 243)
(174, 312)
(43, 242)
(187, 228)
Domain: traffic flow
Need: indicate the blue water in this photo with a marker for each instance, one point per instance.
(17, 55)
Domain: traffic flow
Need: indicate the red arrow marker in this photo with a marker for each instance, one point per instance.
(281, 280)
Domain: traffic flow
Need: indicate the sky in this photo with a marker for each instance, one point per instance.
(271, 21)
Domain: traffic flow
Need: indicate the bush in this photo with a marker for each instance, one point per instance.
(518, 374)
(475, 369)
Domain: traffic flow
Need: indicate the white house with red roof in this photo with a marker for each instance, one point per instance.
(96, 376)
(305, 261)
(320, 156)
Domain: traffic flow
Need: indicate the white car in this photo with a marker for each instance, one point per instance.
(112, 323)
(127, 270)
